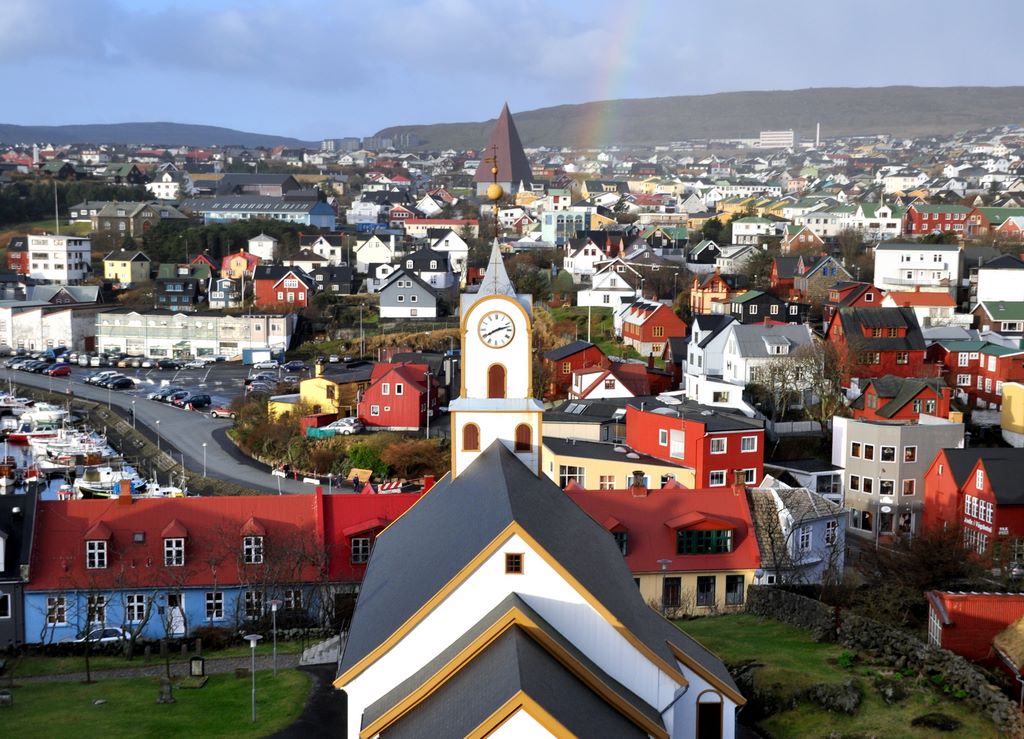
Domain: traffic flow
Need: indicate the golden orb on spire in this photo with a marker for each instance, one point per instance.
(494, 191)
(494, 170)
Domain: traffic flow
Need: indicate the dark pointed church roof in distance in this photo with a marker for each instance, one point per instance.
(513, 166)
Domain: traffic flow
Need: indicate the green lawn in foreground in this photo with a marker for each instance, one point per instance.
(33, 665)
(221, 708)
(793, 661)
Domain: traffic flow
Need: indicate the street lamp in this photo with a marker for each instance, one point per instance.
(133, 415)
(158, 434)
(109, 389)
(204, 459)
(252, 639)
(274, 605)
(428, 375)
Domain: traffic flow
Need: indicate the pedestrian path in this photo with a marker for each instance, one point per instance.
(157, 668)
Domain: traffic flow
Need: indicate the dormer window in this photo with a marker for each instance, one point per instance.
(252, 550)
(95, 555)
(704, 541)
(174, 552)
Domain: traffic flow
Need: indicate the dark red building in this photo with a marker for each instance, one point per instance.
(282, 287)
(559, 364)
(397, 397)
(892, 398)
(712, 443)
(966, 623)
(850, 295)
(17, 255)
(976, 370)
(922, 219)
(873, 342)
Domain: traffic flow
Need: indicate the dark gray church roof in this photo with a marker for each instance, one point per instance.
(435, 539)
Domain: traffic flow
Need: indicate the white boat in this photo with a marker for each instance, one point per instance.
(103, 481)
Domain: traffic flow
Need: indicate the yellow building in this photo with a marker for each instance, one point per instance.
(1012, 414)
(598, 222)
(126, 267)
(597, 465)
(332, 389)
(734, 206)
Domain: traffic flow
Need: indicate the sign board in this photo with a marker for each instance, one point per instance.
(311, 480)
(278, 473)
(885, 509)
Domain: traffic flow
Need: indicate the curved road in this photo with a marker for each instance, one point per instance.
(182, 433)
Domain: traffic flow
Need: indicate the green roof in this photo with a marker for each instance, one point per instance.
(753, 219)
(996, 216)
(984, 347)
(1005, 310)
(748, 295)
(929, 208)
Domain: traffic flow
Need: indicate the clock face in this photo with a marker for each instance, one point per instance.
(496, 329)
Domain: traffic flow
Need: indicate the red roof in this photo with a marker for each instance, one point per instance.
(135, 555)
(915, 298)
(971, 620)
(651, 522)
(353, 515)
(441, 222)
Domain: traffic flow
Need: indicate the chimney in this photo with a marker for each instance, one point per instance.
(428, 482)
(739, 485)
(391, 242)
(637, 488)
(124, 495)
(650, 361)
(318, 369)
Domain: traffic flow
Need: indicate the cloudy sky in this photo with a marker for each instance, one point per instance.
(324, 68)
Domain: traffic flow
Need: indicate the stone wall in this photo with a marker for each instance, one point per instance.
(898, 648)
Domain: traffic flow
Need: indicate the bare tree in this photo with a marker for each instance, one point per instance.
(776, 385)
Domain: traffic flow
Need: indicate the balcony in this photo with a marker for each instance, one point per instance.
(913, 281)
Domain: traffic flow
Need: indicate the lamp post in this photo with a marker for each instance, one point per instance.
(274, 605)
(204, 459)
(133, 415)
(664, 563)
(428, 375)
(252, 639)
(158, 434)
(109, 390)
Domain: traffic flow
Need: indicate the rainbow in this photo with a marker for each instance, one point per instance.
(600, 124)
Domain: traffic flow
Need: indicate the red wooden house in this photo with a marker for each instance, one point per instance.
(617, 379)
(282, 287)
(397, 397)
(901, 399)
(976, 370)
(780, 279)
(17, 255)
(924, 218)
(712, 443)
(399, 214)
(850, 295)
(978, 489)
(877, 341)
(967, 623)
(647, 325)
(559, 364)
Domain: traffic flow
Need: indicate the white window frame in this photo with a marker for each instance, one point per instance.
(56, 606)
(174, 552)
(804, 539)
(719, 441)
(135, 608)
(662, 437)
(831, 532)
(979, 479)
(716, 474)
(252, 550)
(214, 605)
(252, 604)
(96, 554)
(359, 549)
(748, 447)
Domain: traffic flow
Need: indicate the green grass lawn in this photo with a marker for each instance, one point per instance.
(32, 665)
(221, 708)
(792, 662)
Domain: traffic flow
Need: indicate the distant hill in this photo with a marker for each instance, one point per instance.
(902, 111)
(155, 134)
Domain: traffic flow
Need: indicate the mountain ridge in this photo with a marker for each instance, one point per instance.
(155, 133)
(901, 110)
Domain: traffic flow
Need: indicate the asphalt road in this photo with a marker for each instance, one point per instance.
(182, 433)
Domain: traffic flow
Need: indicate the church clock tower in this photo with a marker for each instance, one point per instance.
(496, 398)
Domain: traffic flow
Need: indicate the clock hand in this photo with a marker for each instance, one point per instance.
(496, 330)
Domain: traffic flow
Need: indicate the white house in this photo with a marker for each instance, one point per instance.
(613, 282)
(165, 187)
(264, 247)
(59, 258)
(754, 229)
(1001, 278)
(911, 265)
(878, 221)
(456, 248)
(374, 250)
(36, 325)
(581, 259)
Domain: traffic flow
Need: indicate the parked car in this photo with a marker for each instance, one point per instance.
(168, 364)
(163, 392)
(99, 361)
(58, 370)
(148, 363)
(111, 379)
(260, 377)
(173, 397)
(194, 364)
(222, 411)
(196, 400)
(101, 635)
(259, 387)
(334, 359)
(97, 377)
(350, 425)
(294, 366)
(120, 383)
(266, 364)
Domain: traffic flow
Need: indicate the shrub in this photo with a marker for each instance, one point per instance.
(214, 637)
(845, 660)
